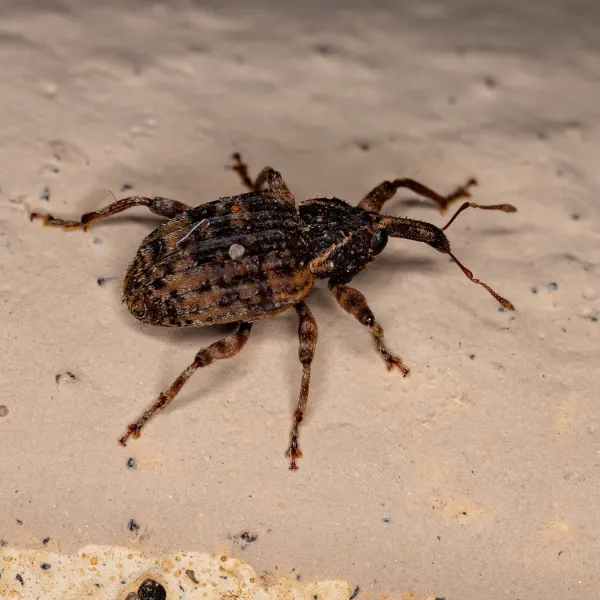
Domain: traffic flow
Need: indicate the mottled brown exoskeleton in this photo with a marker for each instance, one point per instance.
(247, 257)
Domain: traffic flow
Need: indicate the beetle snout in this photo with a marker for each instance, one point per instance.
(440, 242)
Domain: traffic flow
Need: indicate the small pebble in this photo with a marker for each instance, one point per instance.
(131, 463)
(151, 590)
(45, 541)
(46, 566)
(236, 251)
(190, 573)
(126, 187)
(534, 290)
(552, 286)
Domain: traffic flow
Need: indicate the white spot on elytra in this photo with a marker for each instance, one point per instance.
(236, 251)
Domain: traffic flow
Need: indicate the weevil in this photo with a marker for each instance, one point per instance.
(247, 257)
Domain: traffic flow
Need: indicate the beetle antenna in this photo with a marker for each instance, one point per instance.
(508, 208)
(504, 303)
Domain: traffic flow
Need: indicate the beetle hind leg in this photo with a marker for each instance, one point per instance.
(353, 302)
(377, 197)
(163, 207)
(223, 348)
(307, 337)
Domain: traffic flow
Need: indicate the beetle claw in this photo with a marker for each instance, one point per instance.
(293, 453)
(132, 430)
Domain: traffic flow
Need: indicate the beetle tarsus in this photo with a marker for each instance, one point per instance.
(293, 453)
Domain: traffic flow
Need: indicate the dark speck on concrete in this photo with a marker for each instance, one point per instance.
(45, 195)
(126, 187)
(131, 463)
(19, 578)
(45, 541)
(500, 309)
(297, 577)
(249, 537)
(133, 526)
(440, 598)
(552, 286)
(19, 522)
(490, 82)
(594, 319)
(323, 49)
(102, 280)
(355, 593)
(364, 146)
(534, 290)
(3, 410)
(385, 520)
(66, 377)
(46, 566)
(472, 356)
(97, 241)
(575, 217)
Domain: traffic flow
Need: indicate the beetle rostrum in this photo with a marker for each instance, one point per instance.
(243, 258)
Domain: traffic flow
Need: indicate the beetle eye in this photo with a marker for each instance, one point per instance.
(380, 239)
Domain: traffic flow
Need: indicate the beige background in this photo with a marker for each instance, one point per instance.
(472, 477)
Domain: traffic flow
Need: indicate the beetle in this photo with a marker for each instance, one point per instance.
(247, 257)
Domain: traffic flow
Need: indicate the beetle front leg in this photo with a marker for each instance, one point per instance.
(376, 198)
(224, 348)
(163, 207)
(353, 302)
(307, 336)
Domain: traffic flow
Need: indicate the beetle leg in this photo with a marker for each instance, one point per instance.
(159, 206)
(307, 336)
(353, 302)
(223, 348)
(375, 199)
(271, 177)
